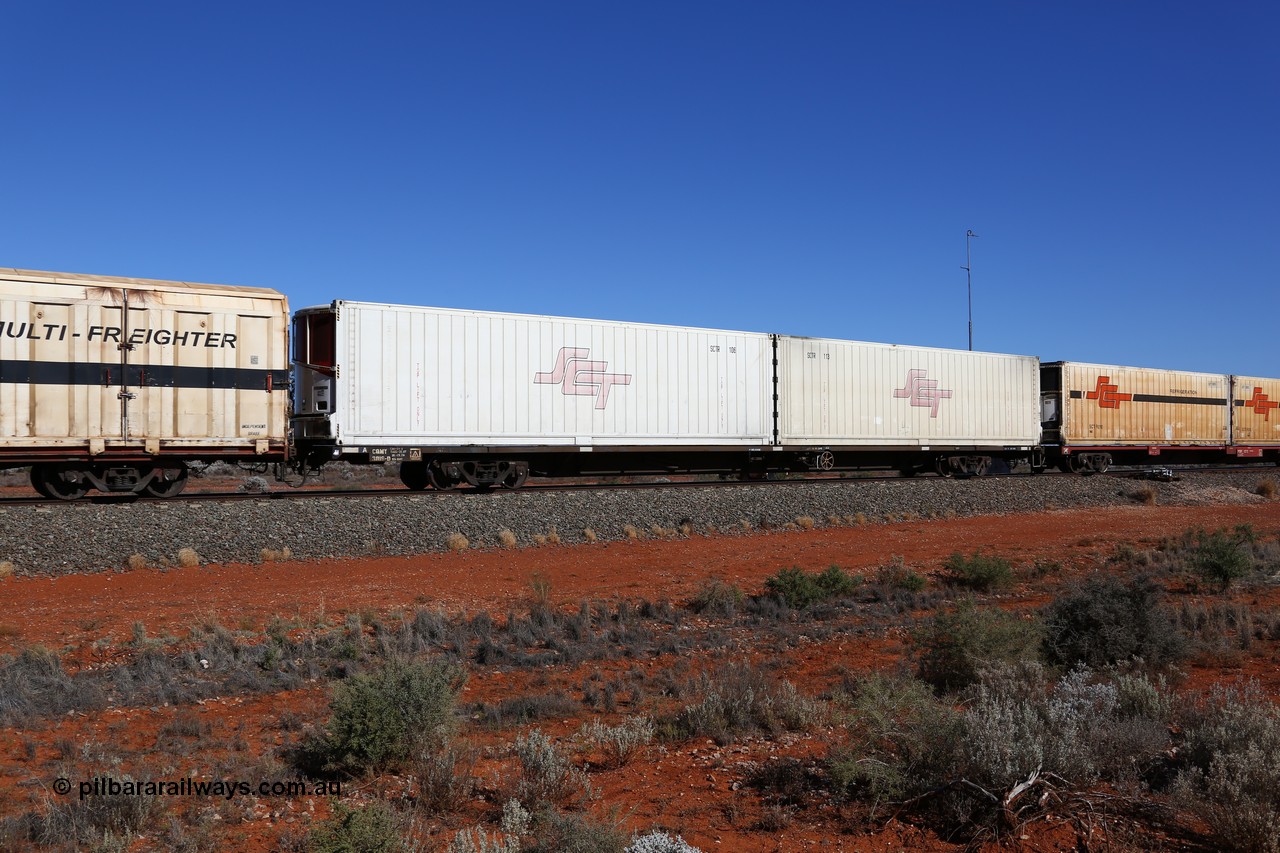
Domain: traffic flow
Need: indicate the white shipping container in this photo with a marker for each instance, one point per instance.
(433, 377)
(206, 374)
(849, 393)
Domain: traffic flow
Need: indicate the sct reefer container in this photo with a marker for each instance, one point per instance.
(113, 382)
(487, 397)
(907, 403)
(1095, 414)
(1256, 414)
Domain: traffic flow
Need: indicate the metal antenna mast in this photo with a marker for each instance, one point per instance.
(968, 264)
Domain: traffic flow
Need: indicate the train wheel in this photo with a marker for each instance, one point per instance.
(170, 486)
(37, 483)
(63, 484)
(516, 477)
(414, 475)
(439, 480)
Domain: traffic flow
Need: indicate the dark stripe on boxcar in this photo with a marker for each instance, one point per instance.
(1166, 398)
(107, 375)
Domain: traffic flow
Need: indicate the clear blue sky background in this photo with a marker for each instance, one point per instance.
(806, 168)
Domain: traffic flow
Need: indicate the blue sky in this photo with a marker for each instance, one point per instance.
(805, 168)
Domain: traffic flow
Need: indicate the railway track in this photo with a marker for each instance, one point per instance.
(282, 494)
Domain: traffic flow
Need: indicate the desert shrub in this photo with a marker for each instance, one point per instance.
(717, 598)
(1266, 488)
(978, 571)
(547, 777)
(557, 832)
(1108, 621)
(515, 823)
(953, 648)
(835, 582)
(1222, 557)
(1232, 781)
(371, 829)
(899, 735)
(507, 538)
(108, 822)
(786, 781)
(794, 587)
(35, 683)
(518, 710)
(620, 743)
(657, 841)
(988, 759)
(254, 486)
(738, 698)
(799, 590)
(896, 574)
(445, 780)
(379, 719)
(456, 542)
(188, 558)
(1079, 732)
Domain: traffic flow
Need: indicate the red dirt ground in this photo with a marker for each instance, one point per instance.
(694, 788)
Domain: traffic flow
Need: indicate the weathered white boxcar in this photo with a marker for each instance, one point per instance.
(906, 405)
(1255, 419)
(486, 397)
(113, 383)
(1099, 414)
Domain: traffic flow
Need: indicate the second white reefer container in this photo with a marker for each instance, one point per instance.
(851, 393)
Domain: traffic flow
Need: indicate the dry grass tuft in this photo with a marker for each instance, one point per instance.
(188, 558)
(860, 518)
(271, 555)
(632, 533)
(137, 561)
(1267, 489)
(835, 520)
(539, 539)
(1145, 495)
(686, 528)
(590, 535)
(746, 525)
(790, 525)
(457, 542)
(805, 522)
(6, 569)
(507, 538)
(553, 537)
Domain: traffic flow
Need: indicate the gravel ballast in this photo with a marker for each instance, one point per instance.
(82, 537)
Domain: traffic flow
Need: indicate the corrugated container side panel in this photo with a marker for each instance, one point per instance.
(1257, 411)
(485, 378)
(73, 317)
(1112, 405)
(835, 392)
